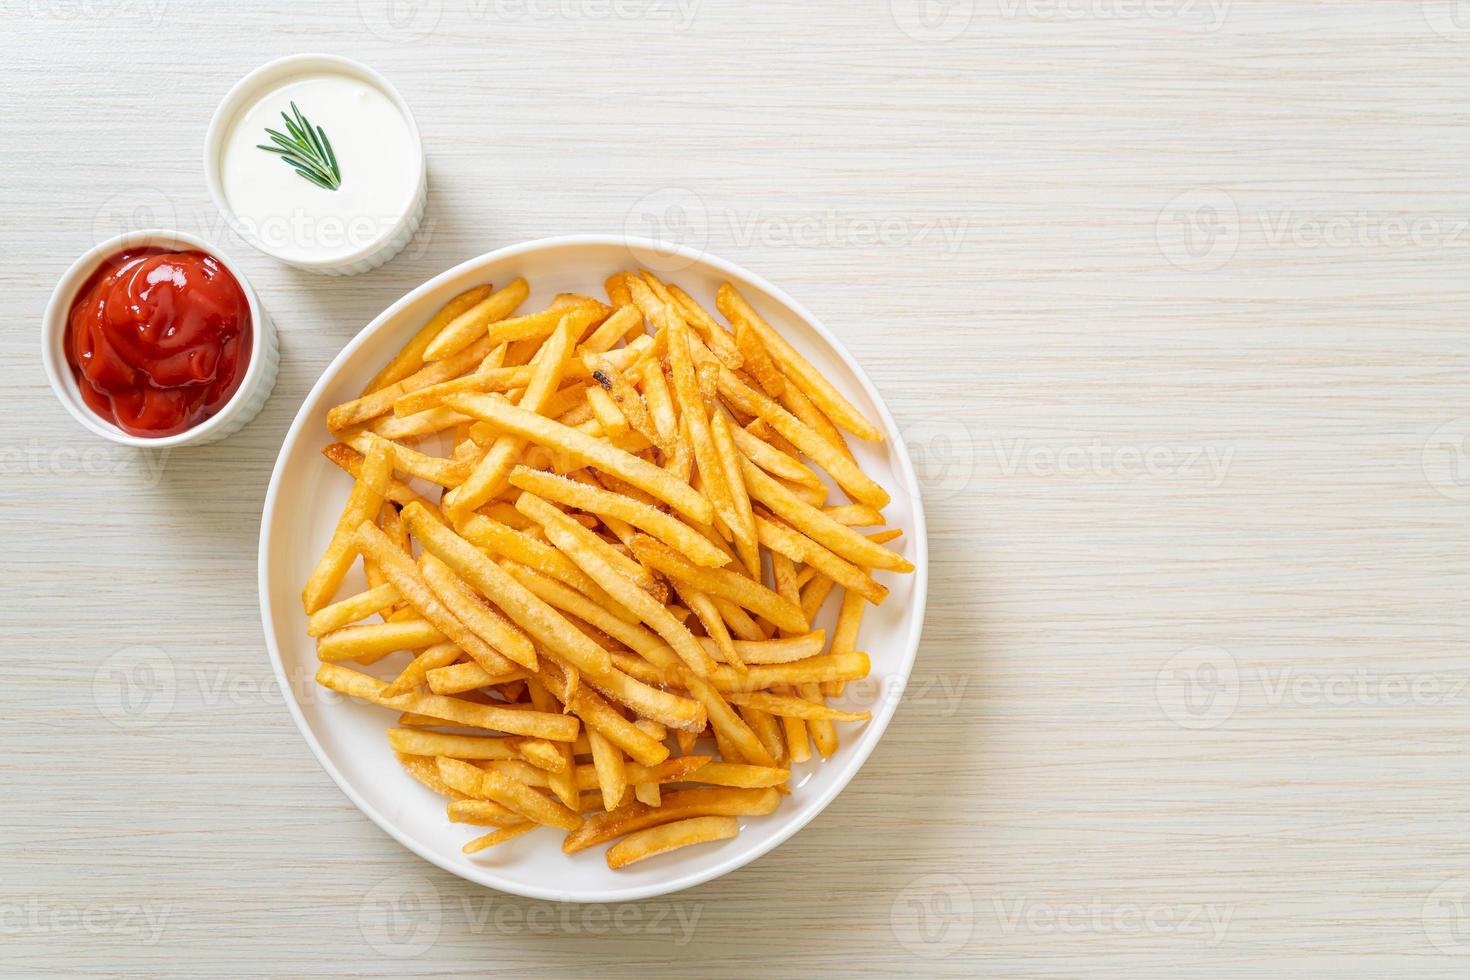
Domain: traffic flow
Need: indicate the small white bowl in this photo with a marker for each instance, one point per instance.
(260, 373)
(245, 93)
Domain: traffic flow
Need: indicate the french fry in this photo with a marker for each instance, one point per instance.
(362, 506)
(586, 450)
(668, 529)
(351, 461)
(508, 793)
(350, 610)
(575, 541)
(849, 477)
(722, 583)
(840, 538)
(411, 357)
(469, 676)
(380, 402)
(375, 639)
(737, 774)
(470, 325)
(757, 677)
(785, 706)
(794, 546)
(612, 777)
(498, 837)
(797, 368)
(853, 515)
(757, 361)
(677, 805)
(489, 476)
(559, 728)
(404, 574)
(669, 837)
(483, 620)
(416, 673)
(413, 742)
(519, 604)
(774, 461)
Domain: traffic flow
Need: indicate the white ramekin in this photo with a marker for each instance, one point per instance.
(260, 373)
(246, 92)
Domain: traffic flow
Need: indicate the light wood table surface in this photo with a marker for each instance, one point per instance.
(1170, 298)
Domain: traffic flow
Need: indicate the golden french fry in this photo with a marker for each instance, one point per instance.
(669, 837)
(840, 538)
(492, 785)
(411, 357)
(668, 529)
(757, 677)
(722, 583)
(797, 368)
(586, 450)
(519, 604)
(739, 774)
(470, 325)
(677, 805)
(498, 837)
(459, 678)
(475, 613)
(848, 475)
(351, 461)
(795, 546)
(784, 706)
(484, 813)
(558, 728)
(411, 742)
(350, 610)
(612, 777)
(362, 506)
(438, 655)
(380, 402)
(404, 574)
(376, 639)
(853, 515)
(578, 544)
(435, 469)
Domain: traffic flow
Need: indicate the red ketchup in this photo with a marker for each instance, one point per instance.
(159, 340)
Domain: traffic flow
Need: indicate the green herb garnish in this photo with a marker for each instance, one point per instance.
(307, 150)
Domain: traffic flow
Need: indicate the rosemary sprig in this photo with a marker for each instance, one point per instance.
(307, 150)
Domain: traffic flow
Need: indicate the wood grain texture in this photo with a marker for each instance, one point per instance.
(1170, 298)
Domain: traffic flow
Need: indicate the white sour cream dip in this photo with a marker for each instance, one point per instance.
(377, 154)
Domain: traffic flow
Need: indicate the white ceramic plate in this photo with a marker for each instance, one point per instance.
(306, 496)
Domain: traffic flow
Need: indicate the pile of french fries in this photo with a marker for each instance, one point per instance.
(607, 611)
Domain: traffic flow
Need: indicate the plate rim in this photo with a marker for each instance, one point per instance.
(888, 706)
